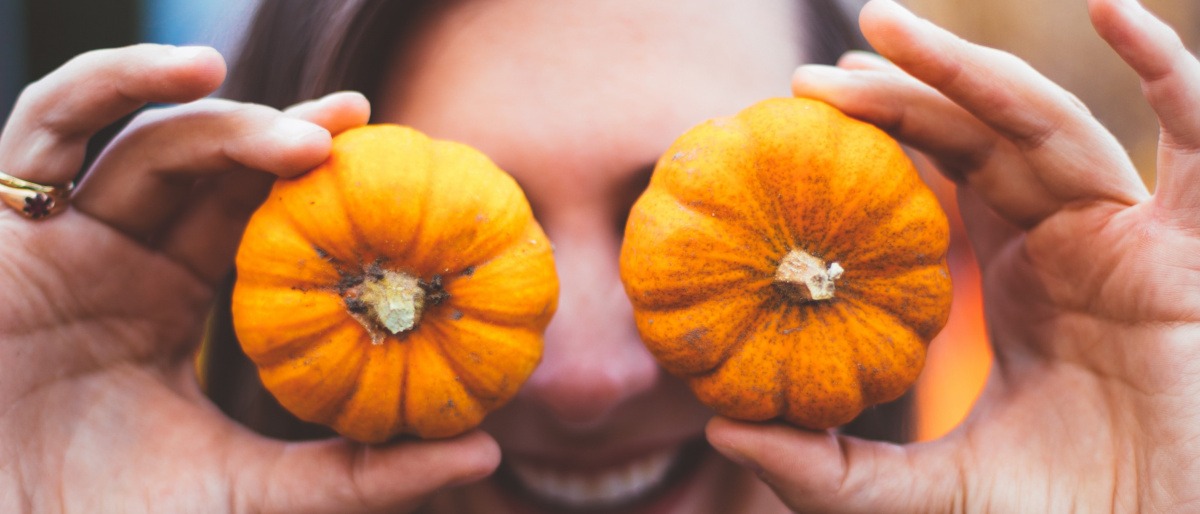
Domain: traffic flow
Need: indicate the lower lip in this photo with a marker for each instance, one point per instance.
(662, 499)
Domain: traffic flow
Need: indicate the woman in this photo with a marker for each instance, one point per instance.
(598, 425)
(1090, 281)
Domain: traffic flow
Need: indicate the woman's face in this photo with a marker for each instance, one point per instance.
(577, 99)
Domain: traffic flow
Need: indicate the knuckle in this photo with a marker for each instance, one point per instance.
(211, 121)
(203, 111)
(125, 55)
(34, 111)
(91, 76)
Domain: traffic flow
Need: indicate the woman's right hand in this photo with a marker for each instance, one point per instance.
(105, 303)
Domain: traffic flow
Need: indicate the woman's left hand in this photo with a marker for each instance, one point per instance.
(1091, 284)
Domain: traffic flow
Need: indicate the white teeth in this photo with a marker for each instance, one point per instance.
(601, 488)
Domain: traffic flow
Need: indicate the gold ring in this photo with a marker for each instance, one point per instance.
(32, 200)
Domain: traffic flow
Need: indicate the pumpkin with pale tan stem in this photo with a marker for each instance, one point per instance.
(400, 288)
(788, 262)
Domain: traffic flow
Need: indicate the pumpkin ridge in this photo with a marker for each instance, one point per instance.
(777, 228)
(843, 388)
(729, 217)
(416, 237)
(749, 325)
(295, 226)
(777, 221)
(292, 350)
(871, 314)
(909, 312)
(676, 168)
(883, 258)
(866, 224)
(494, 316)
(402, 418)
(346, 205)
(784, 221)
(682, 297)
(360, 410)
(334, 407)
(489, 317)
(491, 218)
(316, 236)
(256, 272)
(863, 381)
(468, 379)
(877, 390)
(837, 226)
(679, 281)
(726, 216)
(783, 401)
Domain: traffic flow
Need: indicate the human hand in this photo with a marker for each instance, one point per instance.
(1091, 284)
(104, 303)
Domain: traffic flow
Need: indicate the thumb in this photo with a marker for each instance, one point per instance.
(828, 472)
(340, 476)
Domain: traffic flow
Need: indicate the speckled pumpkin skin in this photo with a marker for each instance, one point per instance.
(726, 203)
(389, 198)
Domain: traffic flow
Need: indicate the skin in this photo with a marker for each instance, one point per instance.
(1090, 282)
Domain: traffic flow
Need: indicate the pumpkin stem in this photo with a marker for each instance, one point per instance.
(386, 300)
(805, 278)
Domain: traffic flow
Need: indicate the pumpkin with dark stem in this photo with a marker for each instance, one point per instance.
(402, 287)
(788, 262)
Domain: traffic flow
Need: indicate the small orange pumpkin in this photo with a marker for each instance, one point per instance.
(788, 262)
(402, 287)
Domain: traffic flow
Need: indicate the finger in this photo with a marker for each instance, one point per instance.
(142, 179)
(337, 112)
(862, 60)
(962, 147)
(1072, 157)
(1170, 77)
(46, 135)
(825, 472)
(337, 476)
(869, 88)
(205, 236)
(913, 112)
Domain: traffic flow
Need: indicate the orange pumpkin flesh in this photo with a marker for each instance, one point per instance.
(400, 288)
(788, 262)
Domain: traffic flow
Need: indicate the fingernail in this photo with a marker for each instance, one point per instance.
(1136, 4)
(471, 477)
(346, 93)
(864, 55)
(818, 79)
(293, 129)
(189, 52)
(896, 9)
(820, 71)
(739, 459)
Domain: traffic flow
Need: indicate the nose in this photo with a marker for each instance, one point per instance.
(594, 360)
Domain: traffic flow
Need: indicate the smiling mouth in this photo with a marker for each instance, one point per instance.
(629, 482)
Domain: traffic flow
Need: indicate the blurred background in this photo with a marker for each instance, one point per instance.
(37, 36)
(1055, 36)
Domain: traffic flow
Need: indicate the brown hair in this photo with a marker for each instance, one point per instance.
(297, 50)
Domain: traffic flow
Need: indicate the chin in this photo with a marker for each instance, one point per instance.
(688, 478)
